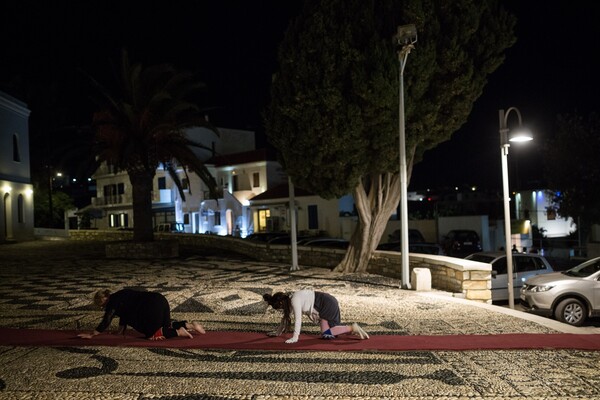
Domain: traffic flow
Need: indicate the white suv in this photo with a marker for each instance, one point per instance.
(524, 267)
(570, 296)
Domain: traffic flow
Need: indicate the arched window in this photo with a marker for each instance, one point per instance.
(16, 152)
(21, 209)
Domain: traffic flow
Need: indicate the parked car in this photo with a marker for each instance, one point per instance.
(570, 296)
(423, 248)
(414, 236)
(287, 239)
(524, 267)
(173, 227)
(416, 243)
(461, 242)
(264, 236)
(326, 242)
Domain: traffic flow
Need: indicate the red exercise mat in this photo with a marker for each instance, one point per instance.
(260, 341)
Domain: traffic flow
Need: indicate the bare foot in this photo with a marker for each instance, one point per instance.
(195, 326)
(183, 332)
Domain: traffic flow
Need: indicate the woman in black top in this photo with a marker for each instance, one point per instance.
(146, 312)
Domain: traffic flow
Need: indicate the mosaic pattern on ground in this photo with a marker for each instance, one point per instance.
(49, 285)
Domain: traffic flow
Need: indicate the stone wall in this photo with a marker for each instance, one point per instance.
(468, 279)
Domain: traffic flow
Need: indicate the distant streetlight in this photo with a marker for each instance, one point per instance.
(518, 135)
(51, 178)
(404, 41)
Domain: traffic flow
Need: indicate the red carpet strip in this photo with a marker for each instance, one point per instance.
(259, 341)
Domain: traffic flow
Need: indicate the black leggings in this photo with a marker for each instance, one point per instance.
(155, 315)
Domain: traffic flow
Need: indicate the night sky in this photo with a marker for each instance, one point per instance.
(232, 45)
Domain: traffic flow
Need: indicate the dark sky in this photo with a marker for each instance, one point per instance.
(232, 46)
(553, 68)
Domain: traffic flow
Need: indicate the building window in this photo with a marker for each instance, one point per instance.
(113, 220)
(186, 218)
(162, 183)
(112, 193)
(185, 184)
(313, 217)
(260, 224)
(118, 220)
(16, 152)
(217, 218)
(21, 209)
(256, 179)
(234, 183)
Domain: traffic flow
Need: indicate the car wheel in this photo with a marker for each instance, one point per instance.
(571, 311)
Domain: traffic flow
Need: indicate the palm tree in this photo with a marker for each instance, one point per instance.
(143, 126)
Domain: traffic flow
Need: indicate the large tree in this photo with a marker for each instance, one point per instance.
(333, 114)
(572, 169)
(142, 124)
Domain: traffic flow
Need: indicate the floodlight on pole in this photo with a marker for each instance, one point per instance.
(516, 136)
(404, 41)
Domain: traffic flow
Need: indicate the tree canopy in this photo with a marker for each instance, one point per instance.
(572, 169)
(142, 124)
(335, 95)
(333, 115)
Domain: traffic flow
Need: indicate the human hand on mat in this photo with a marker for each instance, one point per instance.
(273, 333)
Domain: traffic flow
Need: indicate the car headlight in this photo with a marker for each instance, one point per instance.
(540, 288)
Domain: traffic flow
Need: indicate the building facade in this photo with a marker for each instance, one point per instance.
(314, 214)
(112, 207)
(16, 207)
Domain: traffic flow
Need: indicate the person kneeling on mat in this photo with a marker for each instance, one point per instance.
(320, 307)
(146, 312)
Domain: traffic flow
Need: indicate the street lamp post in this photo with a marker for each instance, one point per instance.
(404, 40)
(50, 205)
(518, 135)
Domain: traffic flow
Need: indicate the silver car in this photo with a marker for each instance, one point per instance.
(570, 296)
(524, 267)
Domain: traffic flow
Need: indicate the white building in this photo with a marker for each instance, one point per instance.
(16, 207)
(113, 203)
(536, 206)
(314, 215)
(242, 177)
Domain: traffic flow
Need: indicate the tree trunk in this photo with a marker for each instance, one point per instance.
(375, 199)
(141, 183)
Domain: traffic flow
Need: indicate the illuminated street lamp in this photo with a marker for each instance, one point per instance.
(517, 135)
(404, 41)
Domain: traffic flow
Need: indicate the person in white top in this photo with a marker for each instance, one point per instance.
(320, 307)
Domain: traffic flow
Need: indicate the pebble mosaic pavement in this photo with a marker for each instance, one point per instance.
(48, 284)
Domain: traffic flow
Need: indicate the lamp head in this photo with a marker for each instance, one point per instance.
(520, 135)
(407, 34)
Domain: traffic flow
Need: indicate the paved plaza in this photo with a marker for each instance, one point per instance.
(48, 284)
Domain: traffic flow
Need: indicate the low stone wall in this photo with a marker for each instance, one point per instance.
(100, 235)
(468, 279)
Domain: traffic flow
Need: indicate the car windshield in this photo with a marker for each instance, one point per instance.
(584, 270)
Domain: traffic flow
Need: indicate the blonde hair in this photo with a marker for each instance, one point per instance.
(100, 295)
